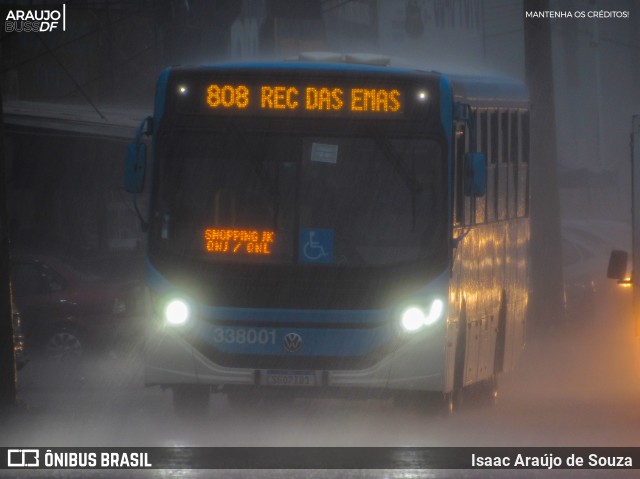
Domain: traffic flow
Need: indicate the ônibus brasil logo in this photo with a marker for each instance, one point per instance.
(36, 19)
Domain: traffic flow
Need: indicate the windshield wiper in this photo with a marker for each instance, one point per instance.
(257, 164)
(395, 160)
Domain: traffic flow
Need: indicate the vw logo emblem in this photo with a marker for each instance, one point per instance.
(292, 342)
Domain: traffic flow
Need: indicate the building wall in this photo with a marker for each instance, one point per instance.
(435, 32)
(596, 68)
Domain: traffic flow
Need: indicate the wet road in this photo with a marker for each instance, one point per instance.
(578, 386)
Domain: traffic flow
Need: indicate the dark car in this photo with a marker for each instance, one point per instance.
(66, 313)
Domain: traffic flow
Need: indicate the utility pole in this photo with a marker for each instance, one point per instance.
(546, 243)
(7, 355)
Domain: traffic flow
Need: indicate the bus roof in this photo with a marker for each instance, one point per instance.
(489, 91)
(478, 89)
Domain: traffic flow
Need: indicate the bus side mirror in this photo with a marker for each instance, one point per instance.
(617, 265)
(134, 167)
(475, 172)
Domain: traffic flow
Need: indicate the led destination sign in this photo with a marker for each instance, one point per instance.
(310, 98)
(300, 97)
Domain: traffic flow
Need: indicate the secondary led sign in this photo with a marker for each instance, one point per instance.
(221, 241)
(265, 98)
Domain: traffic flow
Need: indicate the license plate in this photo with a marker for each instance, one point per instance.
(290, 378)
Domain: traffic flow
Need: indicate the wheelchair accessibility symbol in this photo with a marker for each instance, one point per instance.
(316, 245)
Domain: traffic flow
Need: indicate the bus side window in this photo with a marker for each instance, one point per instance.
(523, 166)
(469, 201)
(458, 178)
(514, 160)
(481, 146)
(492, 160)
(502, 164)
(462, 203)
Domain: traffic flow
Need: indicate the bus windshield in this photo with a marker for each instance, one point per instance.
(278, 198)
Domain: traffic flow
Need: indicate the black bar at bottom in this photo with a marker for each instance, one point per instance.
(321, 458)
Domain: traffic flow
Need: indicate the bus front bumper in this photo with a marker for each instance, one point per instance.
(414, 366)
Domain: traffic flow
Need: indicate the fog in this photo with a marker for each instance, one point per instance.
(577, 386)
(577, 381)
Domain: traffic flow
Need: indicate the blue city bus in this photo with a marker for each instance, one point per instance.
(333, 229)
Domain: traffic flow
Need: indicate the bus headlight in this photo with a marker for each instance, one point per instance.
(415, 318)
(177, 312)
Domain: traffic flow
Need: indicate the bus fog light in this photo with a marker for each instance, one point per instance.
(177, 312)
(415, 318)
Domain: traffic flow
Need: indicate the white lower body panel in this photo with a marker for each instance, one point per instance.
(416, 365)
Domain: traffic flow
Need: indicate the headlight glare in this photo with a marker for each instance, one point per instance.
(177, 312)
(434, 312)
(415, 318)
